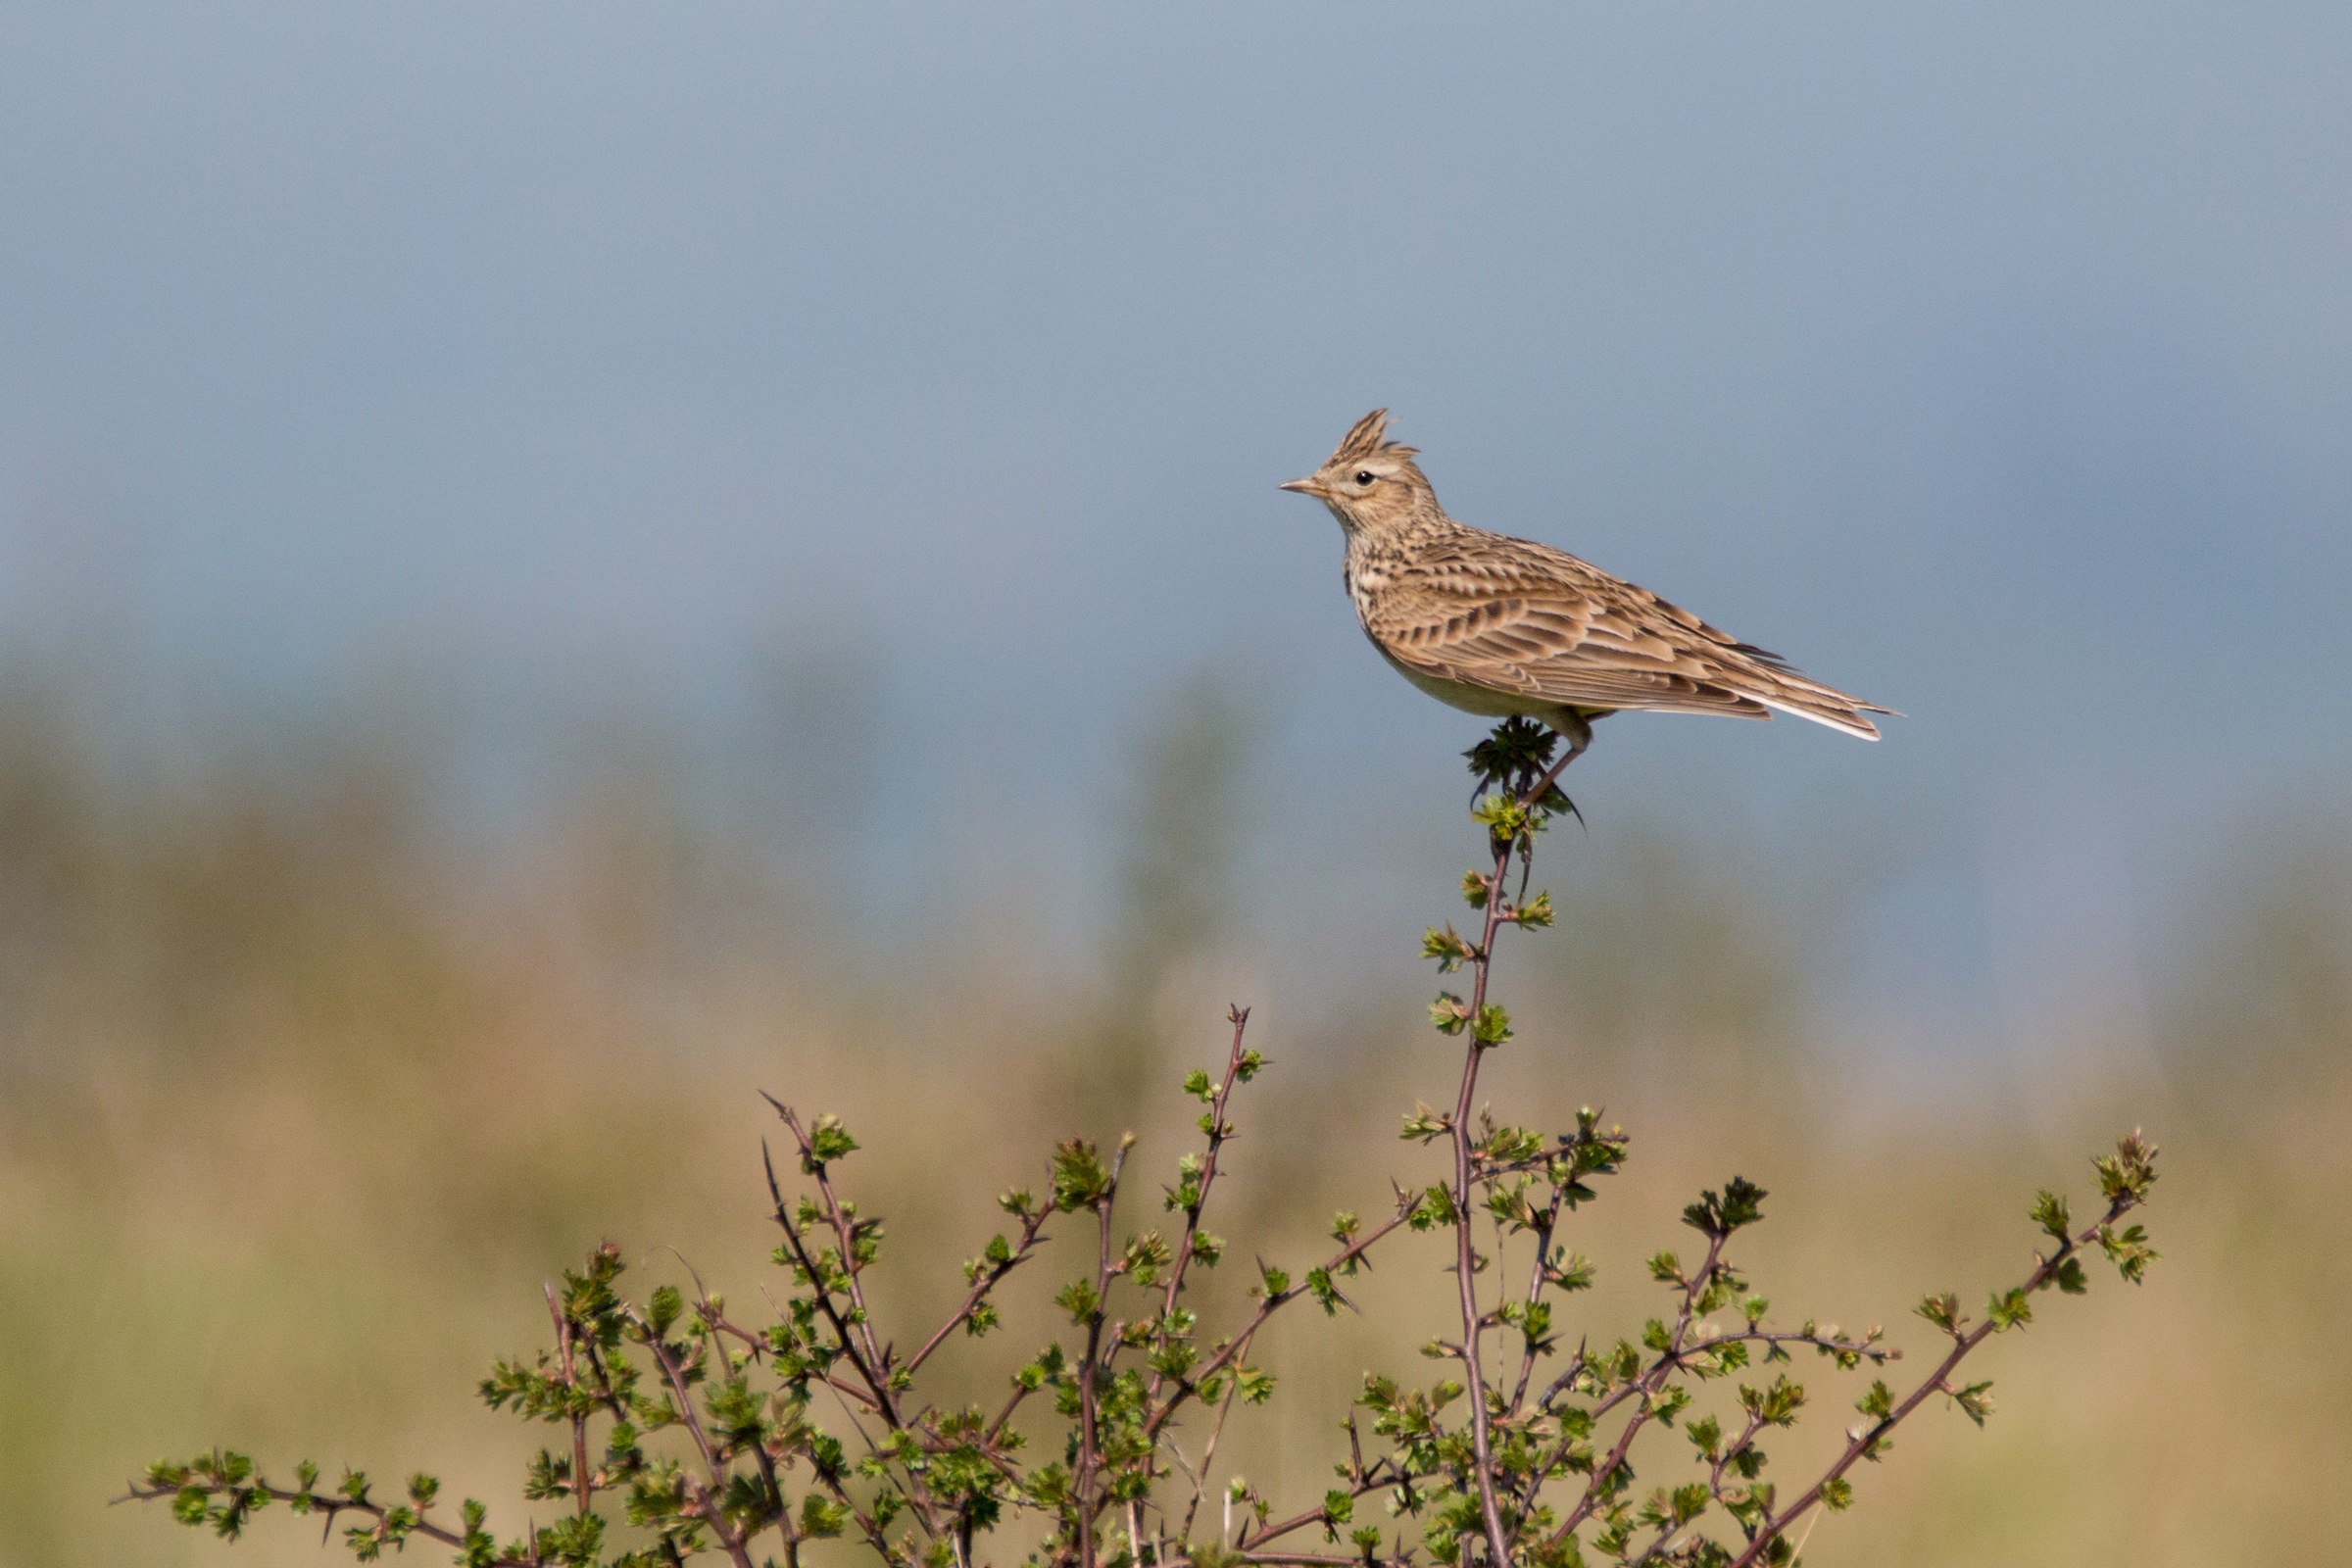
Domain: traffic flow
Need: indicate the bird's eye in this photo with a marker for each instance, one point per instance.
(1363, 476)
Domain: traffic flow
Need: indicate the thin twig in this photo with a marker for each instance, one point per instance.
(1209, 1452)
(1089, 1438)
(579, 1418)
(883, 1405)
(1599, 1487)
(987, 1282)
(1220, 1132)
(708, 1322)
(917, 1494)
(1274, 1302)
(1361, 1484)
(1832, 1344)
(1537, 1280)
(330, 1505)
(844, 1232)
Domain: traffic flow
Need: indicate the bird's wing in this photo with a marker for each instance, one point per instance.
(1514, 616)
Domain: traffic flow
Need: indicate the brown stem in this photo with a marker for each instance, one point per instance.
(1531, 801)
(1088, 1450)
(1020, 1391)
(579, 1421)
(1219, 1131)
(846, 1237)
(878, 1389)
(705, 1499)
(1367, 1482)
(1465, 1259)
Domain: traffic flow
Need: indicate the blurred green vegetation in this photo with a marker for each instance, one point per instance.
(297, 1067)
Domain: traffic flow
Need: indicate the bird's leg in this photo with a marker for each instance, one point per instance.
(1576, 730)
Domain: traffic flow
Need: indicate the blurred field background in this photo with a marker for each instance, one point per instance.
(298, 1100)
(558, 569)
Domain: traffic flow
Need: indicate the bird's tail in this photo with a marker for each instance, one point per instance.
(1792, 691)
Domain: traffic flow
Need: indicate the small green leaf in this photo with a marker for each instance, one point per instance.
(1080, 1177)
(2008, 1309)
(829, 1140)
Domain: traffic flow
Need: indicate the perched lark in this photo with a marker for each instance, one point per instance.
(1506, 626)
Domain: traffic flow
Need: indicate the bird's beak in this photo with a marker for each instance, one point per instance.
(1309, 486)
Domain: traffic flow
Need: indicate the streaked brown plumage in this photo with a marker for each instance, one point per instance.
(1500, 627)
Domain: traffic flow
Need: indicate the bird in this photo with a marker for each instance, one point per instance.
(1507, 627)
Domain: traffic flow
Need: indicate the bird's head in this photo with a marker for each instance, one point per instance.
(1369, 484)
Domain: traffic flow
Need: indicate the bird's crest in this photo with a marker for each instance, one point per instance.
(1363, 439)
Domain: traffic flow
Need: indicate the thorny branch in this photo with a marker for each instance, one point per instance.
(1194, 1197)
(988, 1281)
(1465, 1257)
(1605, 1473)
(1268, 1304)
(1866, 1444)
(1089, 1369)
(310, 1500)
(704, 1498)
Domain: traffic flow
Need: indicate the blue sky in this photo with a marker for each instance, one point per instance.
(1992, 360)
